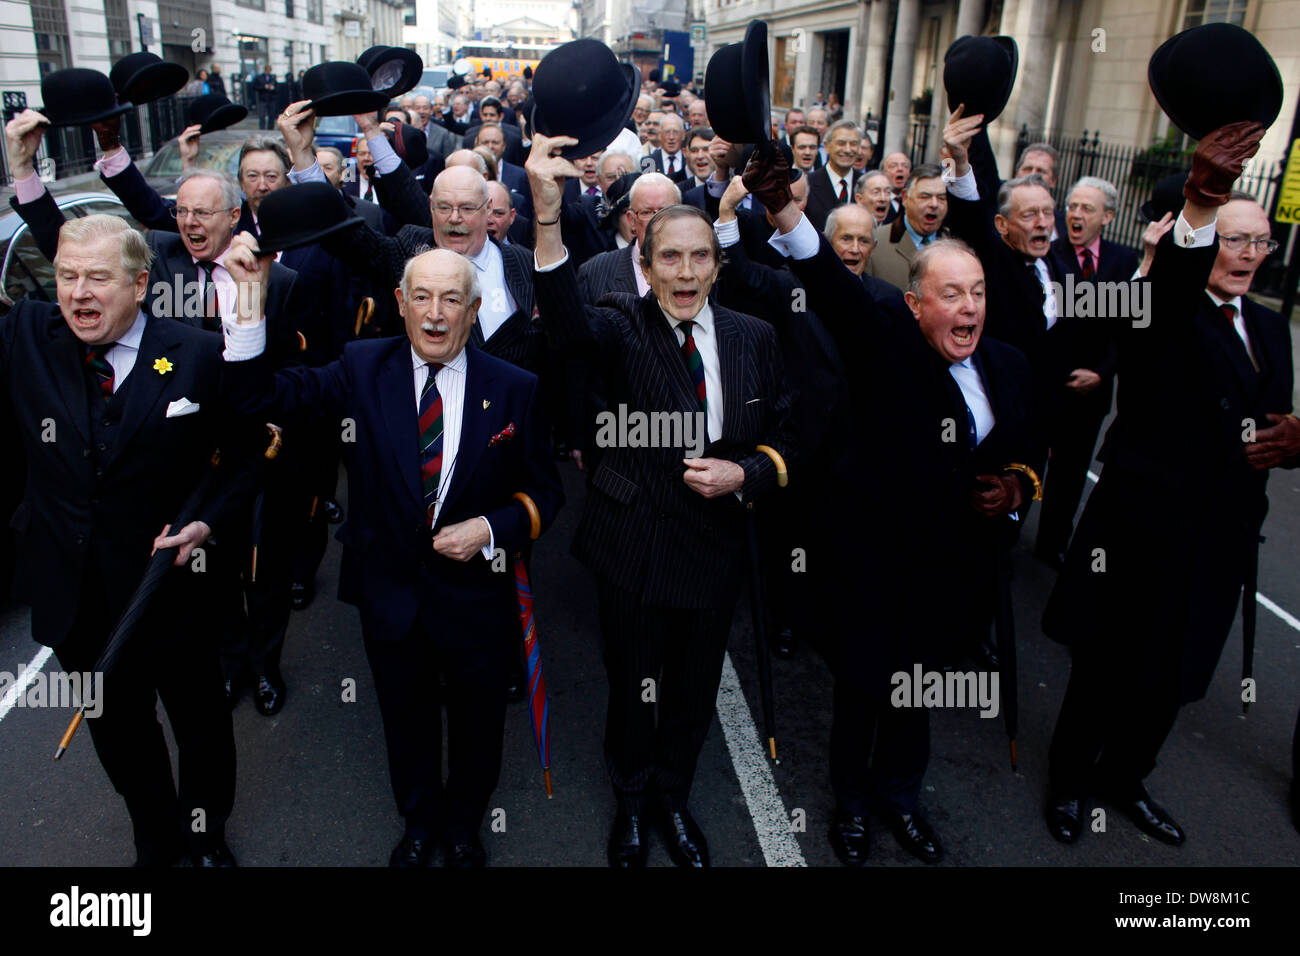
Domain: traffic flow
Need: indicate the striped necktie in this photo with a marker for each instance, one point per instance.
(430, 442)
(694, 364)
(1089, 267)
(100, 370)
(844, 190)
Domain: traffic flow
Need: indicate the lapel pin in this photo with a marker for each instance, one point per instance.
(486, 403)
(162, 366)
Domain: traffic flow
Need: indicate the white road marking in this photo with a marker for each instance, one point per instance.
(1283, 615)
(766, 807)
(26, 677)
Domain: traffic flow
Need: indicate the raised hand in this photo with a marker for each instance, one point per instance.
(22, 139)
(961, 129)
(188, 146)
(295, 125)
(252, 275)
(1218, 161)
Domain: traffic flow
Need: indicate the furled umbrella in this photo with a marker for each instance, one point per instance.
(539, 709)
(756, 606)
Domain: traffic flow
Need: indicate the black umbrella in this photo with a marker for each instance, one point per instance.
(756, 605)
(1005, 626)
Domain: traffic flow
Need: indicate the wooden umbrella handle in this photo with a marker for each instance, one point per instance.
(364, 313)
(782, 477)
(534, 516)
(273, 449)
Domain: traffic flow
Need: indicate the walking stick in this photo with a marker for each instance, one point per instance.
(364, 313)
(539, 707)
(756, 605)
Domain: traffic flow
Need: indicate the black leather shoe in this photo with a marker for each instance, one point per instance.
(627, 844)
(411, 851)
(1151, 818)
(784, 645)
(849, 838)
(268, 697)
(466, 856)
(214, 855)
(1065, 817)
(333, 511)
(686, 844)
(516, 686)
(300, 595)
(914, 835)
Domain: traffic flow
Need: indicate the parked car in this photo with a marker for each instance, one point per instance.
(337, 131)
(24, 271)
(219, 150)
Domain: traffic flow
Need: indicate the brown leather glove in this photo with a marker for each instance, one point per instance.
(1218, 161)
(108, 132)
(767, 176)
(1000, 495)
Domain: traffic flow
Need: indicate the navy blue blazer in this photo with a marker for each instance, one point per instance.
(390, 570)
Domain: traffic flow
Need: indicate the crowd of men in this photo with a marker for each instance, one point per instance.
(517, 292)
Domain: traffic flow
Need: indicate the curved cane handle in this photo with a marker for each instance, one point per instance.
(534, 516)
(273, 449)
(782, 477)
(302, 342)
(364, 312)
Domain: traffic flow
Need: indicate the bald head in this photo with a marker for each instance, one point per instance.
(459, 202)
(467, 158)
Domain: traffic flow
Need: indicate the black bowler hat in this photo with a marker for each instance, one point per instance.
(79, 97)
(580, 90)
(455, 81)
(980, 72)
(300, 215)
(393, 70)
(143, 77)
(528, 73)
(339, 88)
(213, 111)
(736, 90)
(1166, 197)
(1213, 75)
(616, 198)
(671, 88)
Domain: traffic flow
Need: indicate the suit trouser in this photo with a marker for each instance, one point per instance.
(317, 476)
(1114, 719)
(653, 739)
(893, 741)
(411, 701)
(266, 112)
(167, 657)
(1073, 437)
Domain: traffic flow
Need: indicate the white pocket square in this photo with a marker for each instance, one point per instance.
(182, 406)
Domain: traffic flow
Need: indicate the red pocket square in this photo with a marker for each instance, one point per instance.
(505, 434)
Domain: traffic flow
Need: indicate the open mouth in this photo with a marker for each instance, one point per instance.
(964, 335)
(684, 297)
(930, 219)
(86, 318)
(434, 333)
(1241, 273)
(197, 240)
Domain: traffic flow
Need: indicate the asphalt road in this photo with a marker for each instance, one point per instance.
(313, 783)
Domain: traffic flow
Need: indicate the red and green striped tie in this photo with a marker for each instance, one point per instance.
(101, 372)
(430, 444)
(694, 364)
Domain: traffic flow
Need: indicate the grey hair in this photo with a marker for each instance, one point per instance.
(921, 262)
(330, 149)
(833, 220)
(651, 179)
(861, 186)
(1004, 194)
(672, 116)
(270, 144)
(1047, 148)
(136, 254)
(1109, 194)
(475, 287)
(231, 194)
(844, 124)
(610, 154)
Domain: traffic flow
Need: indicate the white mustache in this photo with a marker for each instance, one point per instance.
(435, 327)
(457, 231)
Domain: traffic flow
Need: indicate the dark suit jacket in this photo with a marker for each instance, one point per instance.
(514, 142)
(822, 198)
(1186, 388)
(1097, 348)
(516, 180)
(680, 174)
(643, 529)
(608, 272)
(584, 236)
(390, 571)
(78, 523)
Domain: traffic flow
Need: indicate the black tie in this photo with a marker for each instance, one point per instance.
(671, 166)
(211, 304)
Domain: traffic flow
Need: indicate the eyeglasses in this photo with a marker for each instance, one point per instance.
(269, 178)
(444, 209)
(1235, 243)
(184, 212)
(645, 215)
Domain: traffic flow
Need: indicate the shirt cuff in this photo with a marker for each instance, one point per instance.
(553, 266)
(799, 243)
(113, 163)
(386, 159)
(963, 187)
(29, 189)
(312, 174)
(728, 232)
(243, 342)
(1185, 237)
(490, 549)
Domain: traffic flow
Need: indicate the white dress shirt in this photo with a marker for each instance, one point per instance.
(124, 351)
(678, 160)
(836, 179)
(642, 284)
(498, 304)
(977, 400)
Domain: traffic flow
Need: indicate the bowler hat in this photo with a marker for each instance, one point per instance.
(670, 89)
(300, 215)
(339, 88)
(1213, 75)
(393, 70)
(142, 78)
(455, 81)
(617, 197)
(736, 90)
(580, 90)
(79, 97)
(528, 73)
(213, 111)
(1166, 197)
(980, 72)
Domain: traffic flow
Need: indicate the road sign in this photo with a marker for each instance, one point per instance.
(697, 34)
(1288, 195)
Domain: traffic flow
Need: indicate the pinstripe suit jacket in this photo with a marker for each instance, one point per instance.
(608, 272)
(642, 528)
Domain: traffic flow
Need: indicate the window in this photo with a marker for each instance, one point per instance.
(315, 11)
(1214, 11)
(787, 53)
(288, 9)
(252, 4)
(408, 15)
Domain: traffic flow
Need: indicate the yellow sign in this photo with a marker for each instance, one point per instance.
(1288, 197)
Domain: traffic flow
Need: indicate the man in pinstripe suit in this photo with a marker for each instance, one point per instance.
(663, 528)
